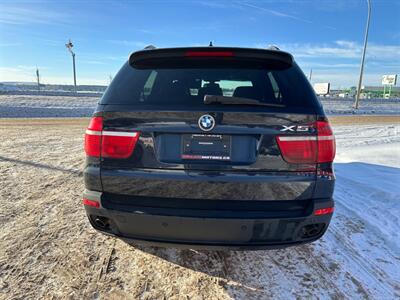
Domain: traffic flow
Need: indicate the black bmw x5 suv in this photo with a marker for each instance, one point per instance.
(210, 147)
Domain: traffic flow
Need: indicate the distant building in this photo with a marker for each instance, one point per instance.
(371, 88)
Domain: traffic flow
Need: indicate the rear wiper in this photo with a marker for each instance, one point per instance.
(208, 99)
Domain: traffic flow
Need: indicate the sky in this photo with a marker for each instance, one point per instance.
(326, 36)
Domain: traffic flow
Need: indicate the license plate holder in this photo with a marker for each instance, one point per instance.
(215, 147)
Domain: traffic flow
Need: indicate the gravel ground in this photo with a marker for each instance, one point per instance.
(48, 249)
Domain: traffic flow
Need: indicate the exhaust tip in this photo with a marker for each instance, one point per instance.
(101, 222)
(312, 230)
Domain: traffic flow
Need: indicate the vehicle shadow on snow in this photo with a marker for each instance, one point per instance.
(363, 171)
(254, 273)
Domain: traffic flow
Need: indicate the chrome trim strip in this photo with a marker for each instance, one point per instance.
(326, 138)
(297, 138)
(93, 132)
(120, 133)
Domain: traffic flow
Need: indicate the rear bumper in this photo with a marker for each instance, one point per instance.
(209, 229)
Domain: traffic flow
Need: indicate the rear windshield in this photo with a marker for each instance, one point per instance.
(168, 87)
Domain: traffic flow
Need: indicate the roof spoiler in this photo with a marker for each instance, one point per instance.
(152, 54)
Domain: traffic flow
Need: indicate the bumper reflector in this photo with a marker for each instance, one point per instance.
(324, 211)
(91, 203)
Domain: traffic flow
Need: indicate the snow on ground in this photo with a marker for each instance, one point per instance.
(359, 256)
(26, 106)
(365, 234)
(30, 106)
(344, 106)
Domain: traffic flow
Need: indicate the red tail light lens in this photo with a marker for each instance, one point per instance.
(111, 144)
(92, 203)
(326, 142)
(92, 144)
(297, 149)
(209, 54)
(93, 137)
(96, 123)
(324, 211)
(118, 144)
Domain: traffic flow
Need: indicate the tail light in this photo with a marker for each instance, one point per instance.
(111, 144)
(92, 203)
(93, 137)
(326, 142)
(118, 144)
(324, 211)
(319, 148)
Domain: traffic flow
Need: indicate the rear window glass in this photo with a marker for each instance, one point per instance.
(188, 86)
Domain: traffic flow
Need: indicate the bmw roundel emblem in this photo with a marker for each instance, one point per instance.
(206, 122)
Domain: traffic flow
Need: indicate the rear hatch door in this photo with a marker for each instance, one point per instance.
(211, 122)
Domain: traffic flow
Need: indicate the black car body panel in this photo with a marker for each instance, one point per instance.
(227, 187)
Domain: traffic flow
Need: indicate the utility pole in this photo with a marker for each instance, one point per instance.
(309, 77)
(69, 46)
(38, 79)
(356, 103)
